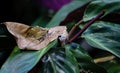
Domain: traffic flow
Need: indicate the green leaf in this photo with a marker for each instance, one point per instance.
(56, 61)
(70, 58)
(95, 7)
(85, 62)
(64, 11)
(105, 36)
(21, 61)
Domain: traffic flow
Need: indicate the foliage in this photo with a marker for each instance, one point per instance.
(24, 60)
(95, 7)
(70, 57)
(104, 35)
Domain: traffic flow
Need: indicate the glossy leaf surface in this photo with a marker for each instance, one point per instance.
(56, 61)
(70, 58)
(21, 61)
(97, 6)
(105, 36)
(86, 63)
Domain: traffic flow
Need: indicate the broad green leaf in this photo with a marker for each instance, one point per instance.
(64, 11)
(21, 61)
(56, 61)
(85, 62)
(70, 58)
(95, 7)
(105, 36)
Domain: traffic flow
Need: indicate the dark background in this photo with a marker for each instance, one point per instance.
(24, 11)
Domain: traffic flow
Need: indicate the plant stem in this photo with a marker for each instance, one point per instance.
(86, 26)
(74, 28)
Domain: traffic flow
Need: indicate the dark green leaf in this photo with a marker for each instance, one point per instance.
(55, 61)
(69, 59)
(95, 7)
(58, 62)
(105, 36)
(85, 61)
(21, 61)
(63, 12)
